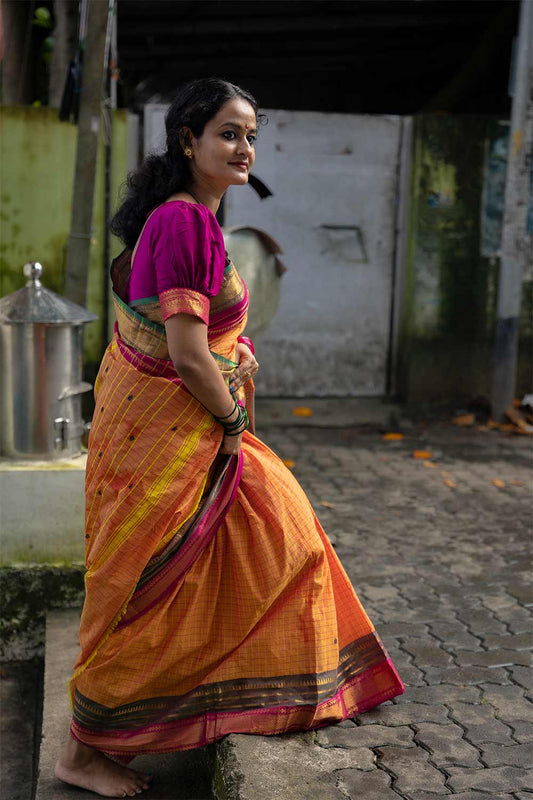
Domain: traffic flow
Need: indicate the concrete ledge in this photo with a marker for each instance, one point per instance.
(179, 776)
(289, 767)
(328, 412)
(42, 508)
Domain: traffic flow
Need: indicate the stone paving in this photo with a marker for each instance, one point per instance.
(440, 556)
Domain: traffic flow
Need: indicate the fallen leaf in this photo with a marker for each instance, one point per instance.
(449, 483)
(326, 504)
(288, 462)
(497, 482)
(393, 437)
(445, 474)
(302, 411)
(429, 464)
(465, 420)
(516, 483)
(517, 417)
(422, 454)
(492, 424)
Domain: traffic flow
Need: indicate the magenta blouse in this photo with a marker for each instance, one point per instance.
(180, 260)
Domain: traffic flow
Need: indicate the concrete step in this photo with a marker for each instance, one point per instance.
(179, 776)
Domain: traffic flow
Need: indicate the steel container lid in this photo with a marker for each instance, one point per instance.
(36, 304)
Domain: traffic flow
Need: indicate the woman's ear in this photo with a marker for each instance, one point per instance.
(186, 138)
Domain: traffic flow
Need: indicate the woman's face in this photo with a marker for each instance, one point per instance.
(224, 153)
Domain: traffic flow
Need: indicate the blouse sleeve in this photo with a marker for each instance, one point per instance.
(189, 258)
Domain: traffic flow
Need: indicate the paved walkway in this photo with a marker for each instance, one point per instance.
(437, 548)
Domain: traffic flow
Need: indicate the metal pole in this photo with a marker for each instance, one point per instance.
(515, 250)
(79, 243)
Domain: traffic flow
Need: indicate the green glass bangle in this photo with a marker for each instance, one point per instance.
(219, 419)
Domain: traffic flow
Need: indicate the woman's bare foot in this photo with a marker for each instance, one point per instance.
(89, 769)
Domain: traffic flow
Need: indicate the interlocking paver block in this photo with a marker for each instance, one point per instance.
(480, 623)
(412, 769)
(365, 736)
(461, 796)
(427, 654)
(447, 745)
(497, 779)
(522, 591)
(405, 714)
(402, 629)
(509, 702)
(522, 731)
(480, 723)
(441, 694)
(494, 658)
(464, 675)
(517, 755)
(523, 641)
(367, 785)
(455, 634)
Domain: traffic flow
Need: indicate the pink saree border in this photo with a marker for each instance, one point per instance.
(207, 728)
(181, 562)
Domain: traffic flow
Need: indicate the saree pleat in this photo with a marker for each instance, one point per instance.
(215, 602)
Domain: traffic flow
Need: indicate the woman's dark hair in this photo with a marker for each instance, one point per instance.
(160, 176)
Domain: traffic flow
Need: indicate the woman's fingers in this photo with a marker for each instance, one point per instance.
(246, 370)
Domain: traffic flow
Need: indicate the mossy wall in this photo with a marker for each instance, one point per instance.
(449, 313)
(37, 161)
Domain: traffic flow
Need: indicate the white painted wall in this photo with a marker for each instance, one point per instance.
(330, 335)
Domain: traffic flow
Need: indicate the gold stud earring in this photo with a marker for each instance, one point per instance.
(188, 152)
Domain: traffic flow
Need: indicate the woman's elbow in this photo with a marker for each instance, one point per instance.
(188, 364)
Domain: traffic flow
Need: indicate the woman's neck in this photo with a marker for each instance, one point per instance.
(206, 194)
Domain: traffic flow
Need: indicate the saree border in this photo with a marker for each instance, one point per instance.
(362, 660)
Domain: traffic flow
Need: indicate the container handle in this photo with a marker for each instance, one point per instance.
(78, 388)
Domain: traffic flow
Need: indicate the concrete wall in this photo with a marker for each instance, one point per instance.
(37, 158)
(449, 304)
(334, 179)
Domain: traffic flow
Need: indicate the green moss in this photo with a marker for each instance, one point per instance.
(27, 593)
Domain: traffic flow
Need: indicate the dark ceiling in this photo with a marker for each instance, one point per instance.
(359, 56)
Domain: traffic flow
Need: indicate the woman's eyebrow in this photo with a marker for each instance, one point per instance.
(238, 126)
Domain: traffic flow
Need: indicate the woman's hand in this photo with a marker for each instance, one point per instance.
(231, 445)
(247, 368)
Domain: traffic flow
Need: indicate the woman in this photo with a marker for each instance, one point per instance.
(214, 601)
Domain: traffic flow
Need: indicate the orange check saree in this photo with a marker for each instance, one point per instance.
(214, 603)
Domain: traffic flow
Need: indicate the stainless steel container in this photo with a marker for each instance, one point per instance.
(41, 370)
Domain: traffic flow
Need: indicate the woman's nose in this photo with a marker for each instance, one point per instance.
(245, 146)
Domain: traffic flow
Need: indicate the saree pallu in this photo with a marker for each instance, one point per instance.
(215, 603)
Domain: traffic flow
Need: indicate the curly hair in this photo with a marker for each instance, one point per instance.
(160, 176)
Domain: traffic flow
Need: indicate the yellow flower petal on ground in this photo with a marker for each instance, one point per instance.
(429, 464)
(464, 420)
(449, 483)
(497, 482)
(302, 411)
(393, 437)
(288, 462)
(325, 504)
(422, 454)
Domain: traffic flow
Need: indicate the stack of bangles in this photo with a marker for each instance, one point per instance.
(236, 426)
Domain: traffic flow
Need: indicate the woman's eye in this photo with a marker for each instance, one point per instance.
(229, 135)
(251, 138)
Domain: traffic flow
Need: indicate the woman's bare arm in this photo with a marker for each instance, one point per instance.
(189, 351)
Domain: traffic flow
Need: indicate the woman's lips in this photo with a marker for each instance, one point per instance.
(242, 165)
